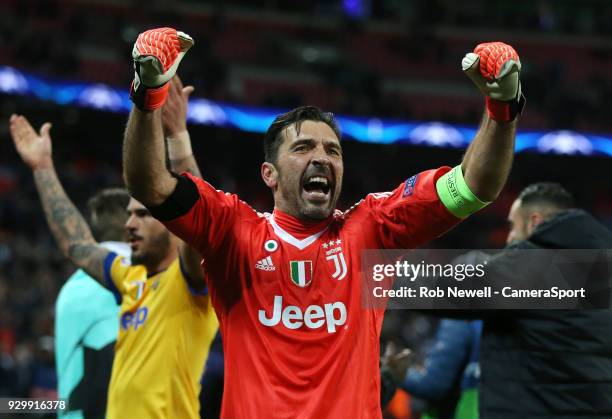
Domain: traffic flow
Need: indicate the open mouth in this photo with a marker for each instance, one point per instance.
(317, 188)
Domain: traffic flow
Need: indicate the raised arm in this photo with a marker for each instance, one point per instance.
(488, 160)
(65, 221)
(157, 54)
(174, 122)
(144, 167)
(181, 159)
(494, 68)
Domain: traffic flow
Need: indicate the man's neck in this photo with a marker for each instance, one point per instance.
(297, 227)
(160, 266)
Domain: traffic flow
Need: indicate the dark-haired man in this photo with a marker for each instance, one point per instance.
(166, 319)
(285, 285)
(547, 363)
(535, 204)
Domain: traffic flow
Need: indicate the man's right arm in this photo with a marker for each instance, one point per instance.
(68, 226)
(156, 54)
(66, 223)
(189, 207)
(184, 204)
(144, 166)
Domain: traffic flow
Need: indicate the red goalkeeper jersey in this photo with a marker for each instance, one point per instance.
(296, 339)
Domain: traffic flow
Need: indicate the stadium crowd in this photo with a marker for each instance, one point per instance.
(281, 54)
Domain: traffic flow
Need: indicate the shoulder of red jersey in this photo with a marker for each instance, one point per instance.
(417, 187)
(245, 209)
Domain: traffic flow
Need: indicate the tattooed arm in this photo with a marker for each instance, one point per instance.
(65, 221)
(181, 159)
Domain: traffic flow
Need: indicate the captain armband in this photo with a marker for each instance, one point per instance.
(456, 195)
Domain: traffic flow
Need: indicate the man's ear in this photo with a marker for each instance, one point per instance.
(269, 174)
(534, 219)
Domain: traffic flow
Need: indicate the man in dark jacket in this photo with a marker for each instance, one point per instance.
(548, 363)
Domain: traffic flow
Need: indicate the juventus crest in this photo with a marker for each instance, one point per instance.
(333, 253)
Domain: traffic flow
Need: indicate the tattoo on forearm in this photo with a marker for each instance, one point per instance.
(66, 222)
(80, 251)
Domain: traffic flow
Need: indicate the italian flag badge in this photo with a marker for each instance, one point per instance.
(301, 272)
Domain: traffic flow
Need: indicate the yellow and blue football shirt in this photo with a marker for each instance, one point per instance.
(165, 331)
(86, 329)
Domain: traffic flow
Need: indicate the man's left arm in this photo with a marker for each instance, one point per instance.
(494, 68)
(181, 159)
(488, 160)
(441, 198)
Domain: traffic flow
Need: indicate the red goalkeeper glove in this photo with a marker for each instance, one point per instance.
(494, 68)
(157, 54)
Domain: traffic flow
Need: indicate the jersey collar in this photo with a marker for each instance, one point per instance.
(295, 231)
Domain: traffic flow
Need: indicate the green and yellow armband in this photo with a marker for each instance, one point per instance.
(456, 195)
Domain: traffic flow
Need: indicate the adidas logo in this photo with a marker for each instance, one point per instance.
(265, 264)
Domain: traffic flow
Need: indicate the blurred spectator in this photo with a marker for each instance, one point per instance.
(387, 58)
(448, 380)
(544, 357)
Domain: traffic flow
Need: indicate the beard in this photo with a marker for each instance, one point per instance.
(154, 252)
(292, 200)
(297, 206)
(315, 212)
(139, 258)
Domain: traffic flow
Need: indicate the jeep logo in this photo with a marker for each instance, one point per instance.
(134, 320)
(314, 317)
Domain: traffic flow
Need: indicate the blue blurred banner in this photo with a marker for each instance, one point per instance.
(369, 130)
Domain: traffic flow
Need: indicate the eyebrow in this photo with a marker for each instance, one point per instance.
(139, 211)
(326, 142)
(333, 143)
(302, 141)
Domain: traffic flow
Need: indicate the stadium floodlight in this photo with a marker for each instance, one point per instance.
(257, 119)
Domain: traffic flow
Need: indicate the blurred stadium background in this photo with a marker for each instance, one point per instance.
(370, 60)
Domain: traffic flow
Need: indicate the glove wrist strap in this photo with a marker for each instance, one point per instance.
(505, 111)
(149, 98)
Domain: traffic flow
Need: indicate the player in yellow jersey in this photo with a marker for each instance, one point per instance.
(165, 328)
(166, 319)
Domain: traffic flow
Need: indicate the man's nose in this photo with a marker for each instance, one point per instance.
(130, 224)
(320, 156)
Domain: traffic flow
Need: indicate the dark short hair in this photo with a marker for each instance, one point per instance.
(547, 193)
(108, 214)
(274, 134)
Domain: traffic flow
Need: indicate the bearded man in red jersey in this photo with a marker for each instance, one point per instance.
(286, 285)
